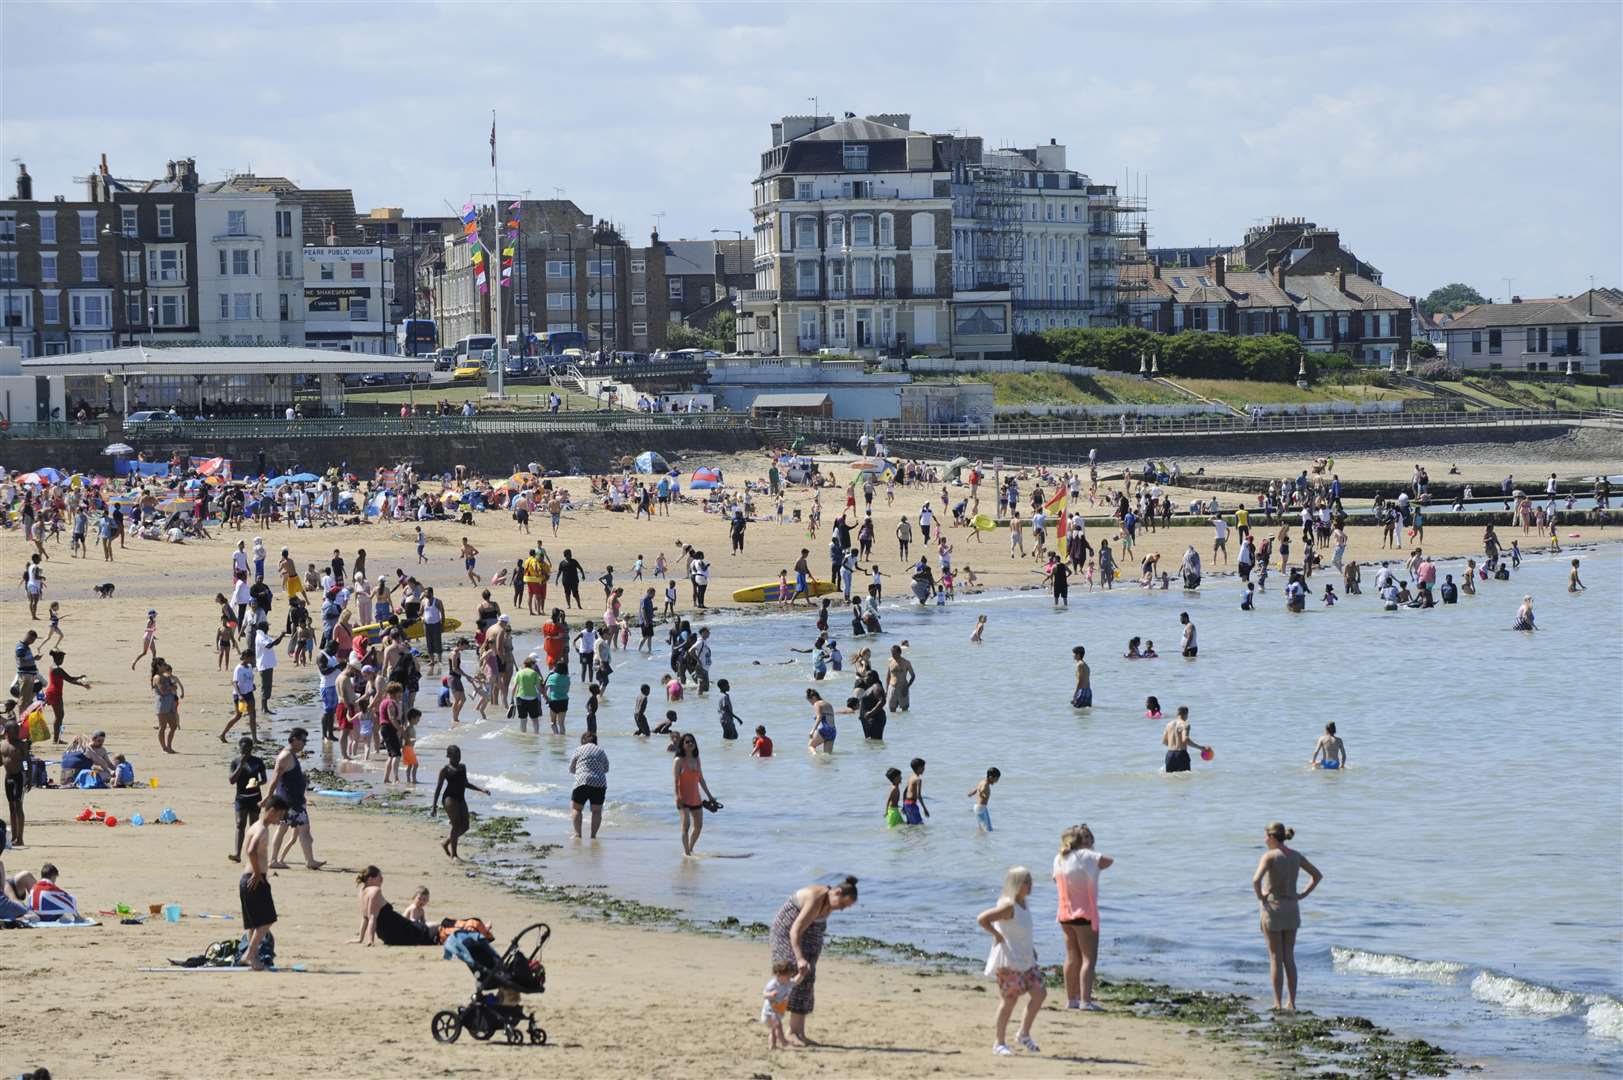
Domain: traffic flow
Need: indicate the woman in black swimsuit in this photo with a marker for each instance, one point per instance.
(454, 783)
(379, 919)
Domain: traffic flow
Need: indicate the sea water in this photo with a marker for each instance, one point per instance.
(1472, 851)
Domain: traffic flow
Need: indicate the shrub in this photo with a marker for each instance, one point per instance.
(1422, 349)
(1438, 370)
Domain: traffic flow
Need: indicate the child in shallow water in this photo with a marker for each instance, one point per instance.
(1152, 707)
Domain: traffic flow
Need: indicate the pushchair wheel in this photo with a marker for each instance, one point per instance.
(446, 1025)
(479, 1025)
(513, 1036)
(538, 1036)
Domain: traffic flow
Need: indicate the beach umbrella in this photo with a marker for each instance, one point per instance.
(277, 481)
(304, 478)
(31, 478)
(522, 478)
(50, 475)
(118, 449)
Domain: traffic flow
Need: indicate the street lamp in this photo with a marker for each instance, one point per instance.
(740, 234)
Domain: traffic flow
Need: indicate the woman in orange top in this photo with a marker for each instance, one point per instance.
(689, 782)
(554, 636)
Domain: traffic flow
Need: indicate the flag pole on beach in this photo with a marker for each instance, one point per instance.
(496, 228)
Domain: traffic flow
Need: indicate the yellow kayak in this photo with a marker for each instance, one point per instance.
(373, 632)
(983, 522)
(768, 593)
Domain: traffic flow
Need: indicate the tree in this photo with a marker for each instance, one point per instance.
(683, 336)
(1451, 298)
(1274, 358)
(1201, 356)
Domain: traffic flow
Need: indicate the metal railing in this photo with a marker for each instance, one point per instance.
(980, 438)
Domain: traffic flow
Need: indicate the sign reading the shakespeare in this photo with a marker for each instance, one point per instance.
(335, 298)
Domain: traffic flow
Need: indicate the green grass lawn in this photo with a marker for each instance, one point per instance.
(523, 395)
(1052, 388)
(1242, 392)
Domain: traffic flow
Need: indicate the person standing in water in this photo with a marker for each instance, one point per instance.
(452, 787)
(689, 782)
(1191, 647)
(1076, 873)
(1275, 886)
(1329, 752)
(1082, 696)
(1176, 739)
(899, 676)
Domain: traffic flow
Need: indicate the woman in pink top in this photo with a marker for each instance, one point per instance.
(1076, 872)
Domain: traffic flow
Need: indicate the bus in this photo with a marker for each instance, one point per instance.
(416, 337)
(554, 342)
(472, 349)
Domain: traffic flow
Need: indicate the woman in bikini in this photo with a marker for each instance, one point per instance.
(689, 783)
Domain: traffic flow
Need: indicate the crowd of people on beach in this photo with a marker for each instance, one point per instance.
(372, 645)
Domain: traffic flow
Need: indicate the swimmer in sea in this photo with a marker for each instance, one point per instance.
(1132, 649)
(1524, 615)
(980, 626)
(823, 732)
(1152, 708)
(1191, 647)
(1082, 696)
(893, 800)
(1329, 752)
(1149, 652)
(913, 798)
(982, 794)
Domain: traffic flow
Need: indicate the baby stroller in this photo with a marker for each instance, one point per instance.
(499, 981)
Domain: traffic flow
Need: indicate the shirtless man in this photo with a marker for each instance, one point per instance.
(899, 677)
(1177, 741)
(12, 752)
(1190, 647)
(1082, 696)
(470, 559)
(253, 888)
(1330, 752)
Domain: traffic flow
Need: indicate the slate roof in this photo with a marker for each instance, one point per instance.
(1608, 307)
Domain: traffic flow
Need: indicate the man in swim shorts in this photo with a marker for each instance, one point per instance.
(1177, 741)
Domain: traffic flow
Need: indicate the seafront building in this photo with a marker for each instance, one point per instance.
(1576, 334)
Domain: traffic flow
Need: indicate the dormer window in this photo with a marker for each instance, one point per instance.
(856, 157)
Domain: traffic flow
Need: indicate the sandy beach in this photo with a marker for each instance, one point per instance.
(622, 1000)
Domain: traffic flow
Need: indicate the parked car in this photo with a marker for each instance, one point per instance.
(468, 373)
(443, 359)
(147, 416)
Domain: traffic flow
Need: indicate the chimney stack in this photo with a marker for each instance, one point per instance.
(1276, 270)
(1341, 281)
(1217, 270)
(25, 183)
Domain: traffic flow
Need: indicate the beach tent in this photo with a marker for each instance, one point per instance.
(704, 479)
(876, 468)
(650, 462)
(954, 467)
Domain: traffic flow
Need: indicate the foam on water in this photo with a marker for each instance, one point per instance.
(1601, 1013)
(1394, 966)
(499, 784)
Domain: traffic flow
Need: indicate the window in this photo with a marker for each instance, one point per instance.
(256, 262)
(856, 157)
(1611, 340)
(284, 264)
(836, 277)
(704, 295)
(47, 226)
(242, 306)
(172, 310)
(166, 266)
(1495, 342)
(805, 233)
(804, 191)
(259, 305)
(8, 227)
(132, 307)
(166, 221)
(836, 232)
(639, 297)
(887, 230)
(1048, 211)
(47, 266)
(357, 271)
(89, 266)
(8, 266)
(887, 276)
(239, 262)
(51, 307)
(327, 272)
(284, 309)
(808, 328)
(806, 277)
(1476, 341)
(836, 328)
(132, 266)
(639, 329)
(225, 306)
(236, 222)
(1538, 339)
(862, 230)
(557, 301)
(599, 267)
(357, 309)
(1341, 326)
(16, 310)
(87, 226)
(862, 276)
(674, 288)
(225, 262)
(284, 224)
(90, 311)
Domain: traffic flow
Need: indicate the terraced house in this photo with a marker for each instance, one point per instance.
(1577, 333)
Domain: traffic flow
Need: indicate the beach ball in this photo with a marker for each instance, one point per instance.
(111, 821)
(137, 819)
(167, 817)
(1206, 754)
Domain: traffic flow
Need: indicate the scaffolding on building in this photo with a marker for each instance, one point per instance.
(997, 245)
(1118, 242)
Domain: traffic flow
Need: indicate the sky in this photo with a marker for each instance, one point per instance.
(1446, 142)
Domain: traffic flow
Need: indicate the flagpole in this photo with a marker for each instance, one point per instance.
(495, 270)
